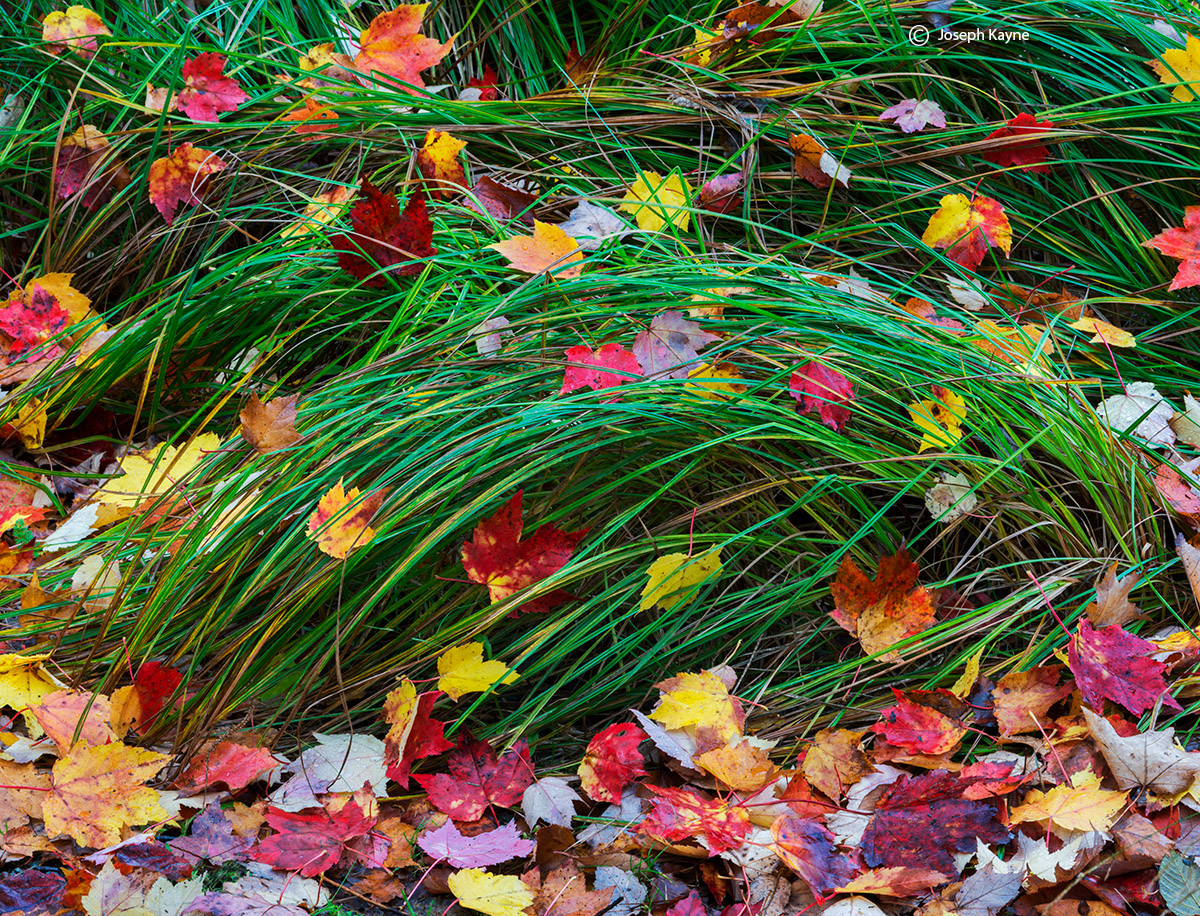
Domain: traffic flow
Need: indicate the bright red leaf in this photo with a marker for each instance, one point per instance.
(384, 237)
(1184, 245)
(680, 814)
(478, 779)
(808, 849)
(612, 762)
(312, 840)
(823, 391)
(1109, 663)
(393, 47)
(1030, 153)
(155, 683)
(608, 367)
(486, 84)
(413, 733)
(691, 905)
(920, 821)
(207, 92)
(227, 764)
(32, 319)
(498, 558)
(918, 728)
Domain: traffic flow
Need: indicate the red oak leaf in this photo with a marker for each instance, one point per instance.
(884, 610)
(498, 558)
(920, 821)
(32, 319)
(413, 734)
(1029, 153)
(478, 779)
(808, 849)
(722, 194)
(608, 367)
(392, 47)
(182, 178)
(384, 237)
(207, 92)
(155, 683)
(1109, 663)
(1184, 245)
(679, 814)
(227, 764)
(612, 761)
(823, 391)
(486, 84)
(312, 840)
(918, 728)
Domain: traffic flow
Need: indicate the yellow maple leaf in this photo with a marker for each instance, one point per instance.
(673, 578)
(24, 680)
(1182, 66)
(939, 418)
(58, 285)
(339, 523)
(654, 202)
(156, 472)
(549, 250)
(462, 670)
(438, 163)
(96, 792)
(699, 701)
(1104, 332)
(739, 765)
(319, 212)
(967, 227)
(29, 423)
(75, 30)
(1079, 805)
(496, 895)
(715, 383)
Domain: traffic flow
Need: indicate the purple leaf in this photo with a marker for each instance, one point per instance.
(911, 116)
(449, 845)
(211, 839)
(667, 349)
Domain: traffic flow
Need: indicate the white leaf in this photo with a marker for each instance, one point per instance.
(339, 763)
(967, 294)
(591, 225)
(489, 335)
(550, 799)
(1150, 759)
(74, 529)
(1141, 411)
(167, 899)
(852, 906)
(677, 745)
(1186, 422)
(950, 497)
(630, 895)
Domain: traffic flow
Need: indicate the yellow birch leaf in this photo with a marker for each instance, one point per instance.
(970, 675)
(462, 670)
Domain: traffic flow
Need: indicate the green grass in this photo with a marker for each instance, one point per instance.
(394, 394)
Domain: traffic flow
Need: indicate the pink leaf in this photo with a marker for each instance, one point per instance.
(207, 91)
(823, 391)
(911, 115)
(499, 845)
(608, 367)
(668, 348)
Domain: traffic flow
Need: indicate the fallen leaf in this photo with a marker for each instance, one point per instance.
(1179, 67)
(700, 702)
(815, 164)
(447, 844)
(1183, 244)
(392, 47)
(96, 792)
(64, 713)
(896, 881)
(939, 419)
(612, 762)
(207, 92)
(32, 891)
(722, 194)
(1180, 494)
(336, 763)
(823, 391)
(438, 162)
(495, 895)
(271, 426)
(1080, 805)
(182, 178)
(385, 240)
(883, 610)
(549, 250)
(1179, 875)
(673, 579)
(669, 347)
(607, 367)
(413, 734)
(311, 119)
(563, 892)
(591, 225)
(1112, 606)
(88, 165)
(1029, 153)
(24, 681)
(835, 761)
(967, 228)
(951, 497)
(738, 765)
(681, 814)
(1022, 699)
(1147, 760)
(339, 524)
(462, 670)
(551, 800)
(656, 203)
(313, 840)
(1104, 333)
(1140, 411)
(720, 382)
(479, 779)
(497, 557)
(319, 212)
(1110, 663)
(918, 728)
(987, 891)
(489, 335)
(507, 203)
(808, 849)
(75, 30)
(912, 115)
(224, 763)
(211, 839)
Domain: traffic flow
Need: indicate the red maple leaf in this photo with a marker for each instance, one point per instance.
(680, 814)
(423, 737)
(1030, 153)
(1183, 244)
(182, 178)
(385, 237)
(154, 683)
(1111, 663)
(312, 840)
(504, 201)
(207, 91)
(921, 820)
(32, 319)
(918, 728)
(486, 84)
(478, 779)
(808, 849)
(498, 558)
(886, 609)
(823, 391)
(612, 761)
(227, 764)
(608, 367)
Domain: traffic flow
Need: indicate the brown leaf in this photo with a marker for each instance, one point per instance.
(835, 761)
(1112, 605)
(270, 426)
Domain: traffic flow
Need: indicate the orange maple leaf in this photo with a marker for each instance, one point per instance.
(75, 30)
(549, 250)
(884, 610)
(96, 792)
(392, 46)
(967, 228)
(340, 522)
(182, 178)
